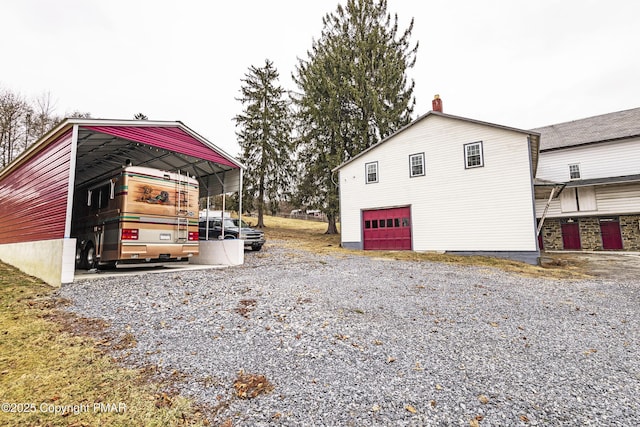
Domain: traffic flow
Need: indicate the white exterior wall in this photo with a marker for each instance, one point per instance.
(610, 200)
(596, 161)
(488, 208)
(603, 160)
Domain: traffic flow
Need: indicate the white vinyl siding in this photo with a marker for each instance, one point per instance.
(602, 160)
(607, 200)
(453, 209)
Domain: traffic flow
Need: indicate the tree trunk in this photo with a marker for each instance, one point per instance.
(331, 227)
(261, 203)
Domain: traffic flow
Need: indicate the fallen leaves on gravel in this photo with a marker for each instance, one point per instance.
(410, 409)
(249, 386)
(245, 307)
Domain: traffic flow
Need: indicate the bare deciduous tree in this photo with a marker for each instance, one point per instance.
(22, 122)
(13, 130)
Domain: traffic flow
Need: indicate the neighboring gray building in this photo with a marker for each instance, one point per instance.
(592, 166)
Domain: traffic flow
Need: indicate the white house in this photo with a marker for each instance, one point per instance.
(443, 183)
(597, 162)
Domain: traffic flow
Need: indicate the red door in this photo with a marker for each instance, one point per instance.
(611, 236)
(571, 235)
(387, 229)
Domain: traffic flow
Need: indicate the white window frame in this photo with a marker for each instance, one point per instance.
(574, 169)
(421, 164)
(468, 157)
(373, 171)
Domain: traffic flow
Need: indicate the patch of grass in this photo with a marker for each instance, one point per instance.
(309, 236)
(45, 368)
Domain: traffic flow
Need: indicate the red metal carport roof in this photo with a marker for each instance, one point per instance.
(166, 138)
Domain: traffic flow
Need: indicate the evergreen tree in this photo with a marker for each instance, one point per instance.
(353, 93)
(264, 136)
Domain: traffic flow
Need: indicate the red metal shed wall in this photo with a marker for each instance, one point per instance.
(33, 198)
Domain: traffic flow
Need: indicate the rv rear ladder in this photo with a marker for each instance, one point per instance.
(182, 206)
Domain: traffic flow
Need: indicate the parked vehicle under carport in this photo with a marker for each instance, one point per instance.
(230, 230)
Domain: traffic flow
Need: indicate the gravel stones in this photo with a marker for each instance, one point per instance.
(353, 340)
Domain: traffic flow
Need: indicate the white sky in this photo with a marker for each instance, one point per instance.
(518, 63)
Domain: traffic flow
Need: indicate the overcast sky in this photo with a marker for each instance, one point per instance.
(516, 63)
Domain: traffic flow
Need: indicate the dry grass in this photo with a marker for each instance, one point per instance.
(45, 367)
(309, 236)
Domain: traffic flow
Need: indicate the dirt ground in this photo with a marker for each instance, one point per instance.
(610, 265)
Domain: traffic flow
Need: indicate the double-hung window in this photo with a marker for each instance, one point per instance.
(574, 171)
(416, 164)
(371, 172)
(473, 157)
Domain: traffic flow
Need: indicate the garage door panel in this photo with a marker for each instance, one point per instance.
(387, 229)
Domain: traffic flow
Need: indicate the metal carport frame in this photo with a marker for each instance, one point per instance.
(37, 189)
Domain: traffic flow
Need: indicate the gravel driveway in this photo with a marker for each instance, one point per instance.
(370, 342)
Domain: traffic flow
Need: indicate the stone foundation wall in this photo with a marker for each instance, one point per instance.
(590, 234)
(551, 235)
(630, 228)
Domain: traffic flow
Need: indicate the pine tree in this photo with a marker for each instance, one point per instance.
(264, 136)
(353, 93)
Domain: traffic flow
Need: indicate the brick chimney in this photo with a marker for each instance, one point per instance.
(436, 103)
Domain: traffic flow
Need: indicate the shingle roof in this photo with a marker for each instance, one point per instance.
(607, 127)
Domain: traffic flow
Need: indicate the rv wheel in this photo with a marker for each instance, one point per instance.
(79, 260)
(89, 256)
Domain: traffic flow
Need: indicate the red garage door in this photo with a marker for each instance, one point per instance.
(387, 229)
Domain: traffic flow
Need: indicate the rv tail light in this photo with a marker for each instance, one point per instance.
(193, 235)
(129, 234)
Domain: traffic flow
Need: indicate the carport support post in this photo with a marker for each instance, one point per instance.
(223, 208)
(68, 256)
(240, 200)
(206, 215)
